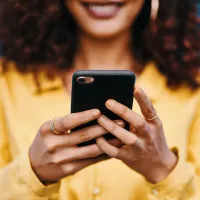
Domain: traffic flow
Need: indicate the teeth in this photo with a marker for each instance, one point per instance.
(103, 9)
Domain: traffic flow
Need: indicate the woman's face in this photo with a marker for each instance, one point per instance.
(104, 18)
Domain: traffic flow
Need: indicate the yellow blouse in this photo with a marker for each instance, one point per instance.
(23, 110)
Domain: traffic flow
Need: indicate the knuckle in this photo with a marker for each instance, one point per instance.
(151, 138)
(69, 169)
(93, 154)
(149, 147)
(150, 111)
(50, 146)
(65, 120)
(123, 110)
(100, 142)
(61, 157)
(85, 136)
(44, 128)
(113, 127)
(55, 160)
(131, 141)
(114, 154)
(66, 141)
(89, 154)
(141, 125)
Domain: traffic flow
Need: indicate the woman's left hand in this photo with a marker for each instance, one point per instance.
(145, 149)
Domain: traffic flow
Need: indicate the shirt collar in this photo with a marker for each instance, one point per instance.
(46, 85)
(151, 81)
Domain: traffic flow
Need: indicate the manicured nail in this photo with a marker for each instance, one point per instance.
(110, 103)
(96, 112)
(102, 119)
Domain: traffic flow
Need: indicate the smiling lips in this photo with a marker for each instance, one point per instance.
(103, 10)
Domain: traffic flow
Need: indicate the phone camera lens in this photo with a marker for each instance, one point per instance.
(81, 80)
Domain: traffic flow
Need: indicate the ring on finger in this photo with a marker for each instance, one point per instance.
(155, 116)
(53, 126)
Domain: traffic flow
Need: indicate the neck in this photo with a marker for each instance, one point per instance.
(110, 54)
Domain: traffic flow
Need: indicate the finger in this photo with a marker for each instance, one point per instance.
(109, 149)
(71, 121)
(116, 142)
(119, 153)
(138, 122)
(88, 134)
(125, 136)
(145, 104)
(73, 167)
(63, 155)
(68, 140)
(76, 119)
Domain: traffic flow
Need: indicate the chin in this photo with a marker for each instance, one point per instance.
(103, 35)
(104, 32)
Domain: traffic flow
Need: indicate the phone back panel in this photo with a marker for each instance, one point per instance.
(117, 85)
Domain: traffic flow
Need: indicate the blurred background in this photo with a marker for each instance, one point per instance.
(198, 12)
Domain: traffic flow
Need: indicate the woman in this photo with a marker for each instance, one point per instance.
(48, 41)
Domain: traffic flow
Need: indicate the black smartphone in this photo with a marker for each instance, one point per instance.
(91, 89)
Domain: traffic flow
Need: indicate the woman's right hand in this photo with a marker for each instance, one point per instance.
(54, 157)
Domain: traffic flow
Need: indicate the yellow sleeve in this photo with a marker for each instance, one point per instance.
(17, 180)
(194, 148)
(184, 181)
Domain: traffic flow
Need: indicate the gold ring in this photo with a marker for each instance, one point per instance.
(153, 117)
(53, 126)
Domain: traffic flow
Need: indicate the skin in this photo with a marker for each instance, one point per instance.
(103, 45)
(56, 156)
(145, 149)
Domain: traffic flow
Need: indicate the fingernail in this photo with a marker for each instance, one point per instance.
(96, 112)
(120, 123)
(102, 119)
(138, 92)
(110, 103)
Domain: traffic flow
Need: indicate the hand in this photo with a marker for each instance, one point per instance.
(145, 149)
(55, 156)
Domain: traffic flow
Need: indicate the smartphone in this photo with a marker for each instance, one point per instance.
(91, 89)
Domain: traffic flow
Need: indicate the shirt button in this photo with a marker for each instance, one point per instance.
(154, 191)
(96, 191)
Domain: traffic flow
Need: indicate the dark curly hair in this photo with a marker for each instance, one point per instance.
(43, 32)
